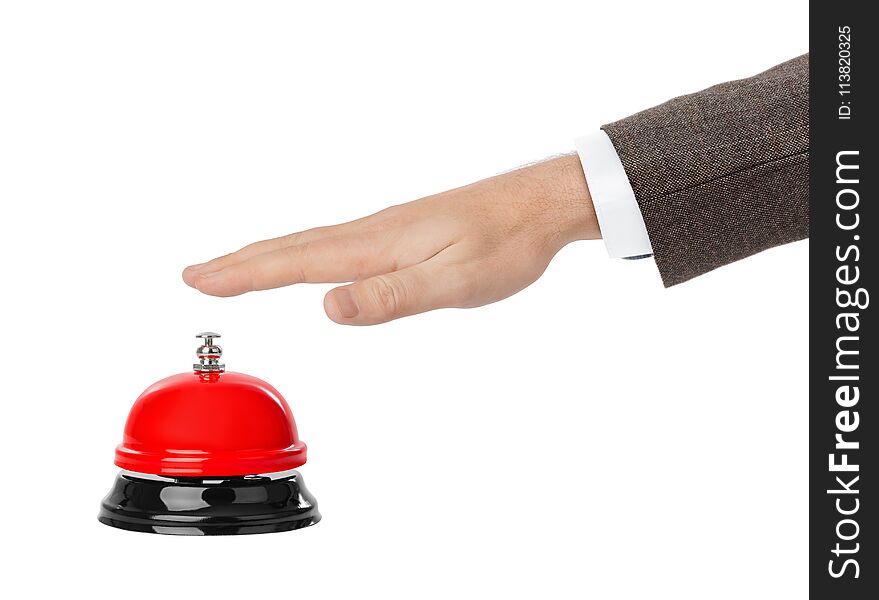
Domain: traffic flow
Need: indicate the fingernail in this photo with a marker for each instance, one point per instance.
(201, 278)
(195, 267)
(345, 303)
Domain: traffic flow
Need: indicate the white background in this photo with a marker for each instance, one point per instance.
(595, 436)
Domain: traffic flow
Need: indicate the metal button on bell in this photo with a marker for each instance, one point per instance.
(210, 452)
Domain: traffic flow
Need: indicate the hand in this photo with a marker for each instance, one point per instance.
(462, 248)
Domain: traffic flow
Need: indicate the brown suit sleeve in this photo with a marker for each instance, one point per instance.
(721, 174)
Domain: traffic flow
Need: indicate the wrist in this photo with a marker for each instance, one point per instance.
(568, 202)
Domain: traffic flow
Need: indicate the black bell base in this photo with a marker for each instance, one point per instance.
(209, 505)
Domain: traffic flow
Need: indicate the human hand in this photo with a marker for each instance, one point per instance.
(462, 248)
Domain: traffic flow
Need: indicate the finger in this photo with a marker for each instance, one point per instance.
(255, 249)
(330, 260)
(416, 289)
(221, 262)
(273, 244)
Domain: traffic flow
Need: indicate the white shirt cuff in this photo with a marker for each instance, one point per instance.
(620, 220)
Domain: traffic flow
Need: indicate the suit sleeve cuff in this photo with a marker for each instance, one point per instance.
(620, 220)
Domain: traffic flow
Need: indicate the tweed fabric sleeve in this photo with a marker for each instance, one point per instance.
(721, 174)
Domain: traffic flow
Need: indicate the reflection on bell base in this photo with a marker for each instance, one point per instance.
(209, 505)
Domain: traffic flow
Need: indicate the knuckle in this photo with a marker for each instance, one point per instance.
(389, 219)
(291, 239)
(296, 258)
(248, 249)
(248, 278)
(388, 295)
(389, 260)
(292, 252)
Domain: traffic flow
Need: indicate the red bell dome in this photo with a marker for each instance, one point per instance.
(210, 423)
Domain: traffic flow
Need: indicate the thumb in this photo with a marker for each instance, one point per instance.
(416, 289)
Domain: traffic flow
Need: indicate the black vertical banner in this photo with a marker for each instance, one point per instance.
(843, 369)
